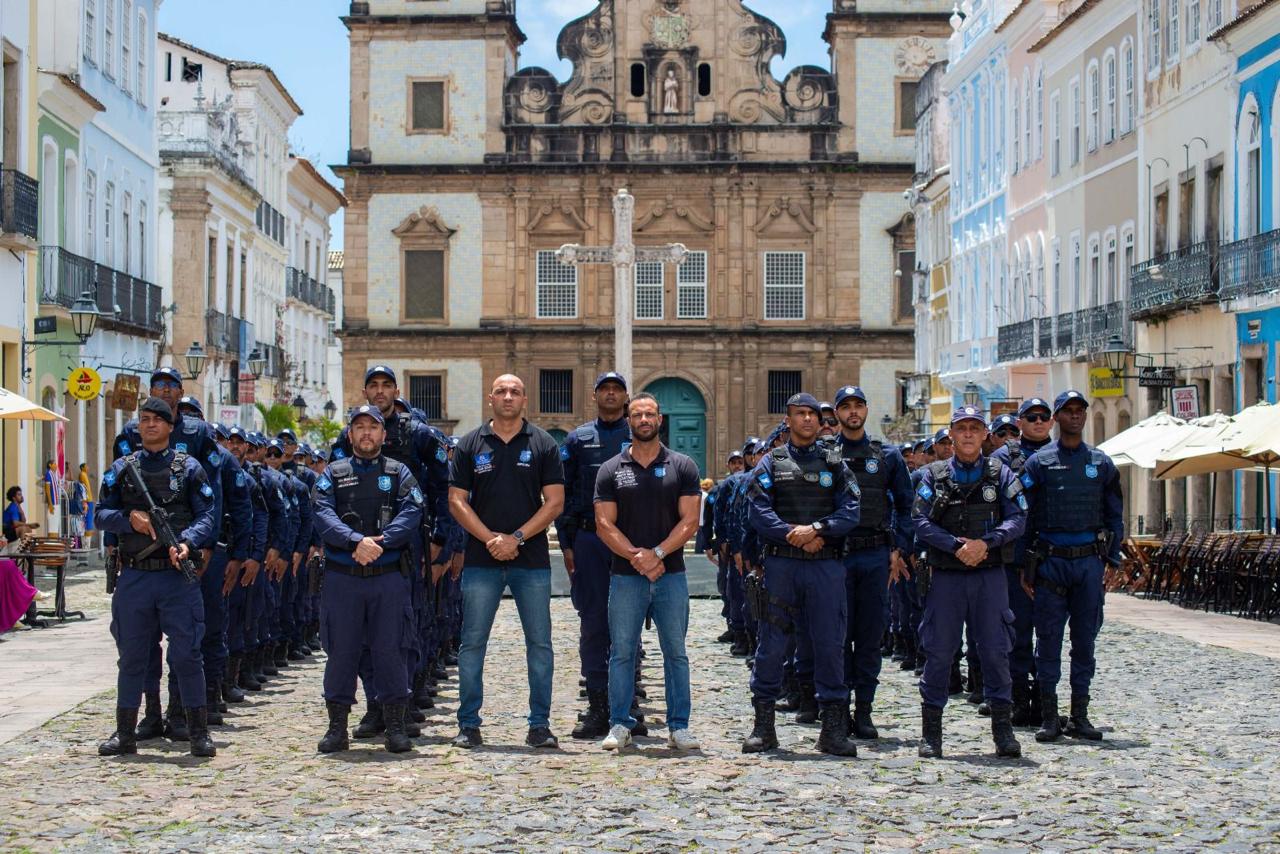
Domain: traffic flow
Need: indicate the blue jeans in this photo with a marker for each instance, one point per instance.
(631, 598)
(482, 588)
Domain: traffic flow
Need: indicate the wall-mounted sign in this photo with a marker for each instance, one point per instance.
(1156, 378)
(124, 393)
(84, 383)
(1186, 401)
(46, 325)
(1103, 383)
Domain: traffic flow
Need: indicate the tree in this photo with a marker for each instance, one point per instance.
(321, 431)
(277, 417)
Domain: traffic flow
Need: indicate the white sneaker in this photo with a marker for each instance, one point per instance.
(682, 739)
(41, 596)
(618, 738)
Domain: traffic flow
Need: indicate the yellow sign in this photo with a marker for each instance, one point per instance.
(1103, 384)
(84, 383)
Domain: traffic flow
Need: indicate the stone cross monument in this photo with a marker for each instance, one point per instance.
(623, 255)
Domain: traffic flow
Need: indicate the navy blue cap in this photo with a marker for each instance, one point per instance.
(735, 454)
(366, 409)
(804, 399)
(750, 443)
(927, 445)
(453, 441)
(943, 433)
(1067, 397)
(967, 413)
(191, 403)
(400, 401)
(1031, 403)
(825, 405)
(287, 435)
(380, 369)
(1004, 421)
(611, 377)
(920, 445)
(275, 445)
(237, 430)
(849, 391)
(166, 374)
(320, 454)
(159, 407)
(221, 430)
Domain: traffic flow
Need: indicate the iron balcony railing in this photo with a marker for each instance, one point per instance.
(300, 286)
(19, 203)
(270, 222)
(1250, 267)
(1174, 281)
(1072, 333)
(226, 332)
(64, 276)
(123, 300)
(1016, 341)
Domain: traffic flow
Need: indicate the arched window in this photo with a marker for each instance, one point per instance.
(1251, 195)
(1093, 92)
(1127, 102)
(1109, 114)
(1017, 131)
(1039, 112)
(1026, 117)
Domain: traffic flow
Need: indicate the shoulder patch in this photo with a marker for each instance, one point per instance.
(564, 452)
(180, 446)
(214, 458)
(324, 483)
(110, 477)
(441, 454)
(123, 445)
(925, 492)
(239, 478)
(1025, 477)
(1022, 501)
(764, 479)
(206, 490)
(416, 494)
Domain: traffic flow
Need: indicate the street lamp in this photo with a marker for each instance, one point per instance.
(920, 409)
(256, 363)
(885, 423)
(330, 409)
(196, 357)
(299, 407)
(84, 316)
(972, 394)
(1115, 354)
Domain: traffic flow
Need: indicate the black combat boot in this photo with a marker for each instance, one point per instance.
(372, 723)
(595, 723)
(249, 679)
(414, 715)
(335, 737)
(198, 721)
(1002, 730)
(438, 670)
(124, 739)
(863, 727)
(1078, 726)
(763, 735)
(1022, 712)
(752, 642)
(807, 711)
(281, 653)
(956, 684)
(930, 731)
(231, 690)
(152, 723)
(175, 722)
(212, 698)
(1050, 723)
(293, 651)
(899, 646)
(741, 645)
(834, 737)
(266, 663)
(790, 701)
(421, 696)
(909, 658)
(976, 693)
(395, 738)
(725, 637)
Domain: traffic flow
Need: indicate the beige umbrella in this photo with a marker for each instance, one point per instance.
(15, 407)
(1143, 442)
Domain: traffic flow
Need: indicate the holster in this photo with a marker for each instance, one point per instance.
(758, 601)
(315, 575)
(924, 578)
(113, 570)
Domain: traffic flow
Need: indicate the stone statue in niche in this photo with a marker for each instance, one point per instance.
(671, 93)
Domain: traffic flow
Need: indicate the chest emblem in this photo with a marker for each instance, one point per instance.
(384, 482)
(1090, 471)
(873, 466)
(825, 479)
(988, 493)
(526, 456)
(180, 446)
(660, 472)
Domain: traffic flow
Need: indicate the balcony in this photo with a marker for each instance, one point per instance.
(270, 222)
(126, 302)
(300, 286)
(19, 210)
(1174, 281)
(275, 360)
(1016, 341)
(1070, 334)
(1250, 267)
(229, 334)
(1093, 327)
(64, 276)
(204, 136)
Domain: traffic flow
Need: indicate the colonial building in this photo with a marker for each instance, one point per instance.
(466, 173)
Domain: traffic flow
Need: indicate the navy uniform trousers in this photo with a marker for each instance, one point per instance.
(356, 613)
(867, 590)
(590, 594)
(816, 588)
(980, 599)
(1081, 606)
(146, 604)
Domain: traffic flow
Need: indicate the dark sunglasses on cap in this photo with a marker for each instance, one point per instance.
(1033, 417)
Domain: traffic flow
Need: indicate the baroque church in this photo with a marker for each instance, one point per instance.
(466, 172)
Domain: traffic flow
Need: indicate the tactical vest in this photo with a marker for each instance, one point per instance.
(168, 488)
(866, 461)
(366, 502)
(398, 445)
(967, 510)
(1017, 459)
(592, 454)
(1070, 496)
(804, 491)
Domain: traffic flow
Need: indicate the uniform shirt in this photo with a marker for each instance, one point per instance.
(706, 518)
(648, 500)
(261, 515)
(237, 504)
(897, 488)
(930, 533)
(612, 437)
(1004, 454)
(279, 509)
(1112, 501)
(428, 463)
(340, 540)
(505, 480)
(111, 517)
(772, 529)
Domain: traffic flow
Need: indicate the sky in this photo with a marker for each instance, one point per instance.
(306, 45)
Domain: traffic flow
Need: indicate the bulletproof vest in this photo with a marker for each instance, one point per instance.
(1070, 496)
(366, 502)
(1017, 457)
(804, 491)
(168, 488)
(398, 445)
(866, 461)
(592, 451)
(967, 510)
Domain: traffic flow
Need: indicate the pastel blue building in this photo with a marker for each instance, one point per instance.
(1250, 265)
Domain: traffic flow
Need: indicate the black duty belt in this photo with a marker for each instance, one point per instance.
(585, 524)
(869, 541)
(361, 571)
(150, 564)
(1069, 552)
(824, 553)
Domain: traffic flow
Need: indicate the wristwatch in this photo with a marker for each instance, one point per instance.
(660, 552)
(519, 535)
(817, 527)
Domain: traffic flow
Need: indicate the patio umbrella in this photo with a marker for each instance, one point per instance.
(15, 407)
(1143, 442)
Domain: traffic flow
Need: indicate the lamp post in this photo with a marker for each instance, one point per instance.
(972, 394)
(195, 358)
(920, 409)
(257, 362)
(84, 316)
(1115, 355)
(330, 409)
(299, 407)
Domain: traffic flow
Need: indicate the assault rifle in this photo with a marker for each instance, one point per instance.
(166, 537)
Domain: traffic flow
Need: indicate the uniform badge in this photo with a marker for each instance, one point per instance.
(825, 479)
(124, 446)
(441, 454)
(1090, 470)
(1022, 501)
(564, 452)
(1026, 480)
(988, 493)
(180, 446)
(625, 447)
(239, 478)
(214, 458)
(873, 466)
(764, 479)
(925, 492)
(711, 498)
(339, 454)
(205, 489)
(324, 483)
(417, 495)
(526, 455)
(484, 459)
(384, 482)
(109, 478)
(660, 472)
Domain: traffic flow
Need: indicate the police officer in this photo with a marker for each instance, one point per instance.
(968, 512)
(368, 511)
(708, 544)
(803, 503)
(1029, 433)
(1076, 524)
(238, 590)
(882, 537)
(586, 558)
(152, 596)
(296, 613)
(738, 551)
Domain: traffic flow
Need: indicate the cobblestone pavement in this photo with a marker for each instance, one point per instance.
(1189, 763)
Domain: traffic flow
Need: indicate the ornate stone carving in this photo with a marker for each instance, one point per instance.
(790, 207)
(661, 208)
(810, 94)
(557, 215)
(532, 97)
(424, 222)
(669, 26)
(670, 92)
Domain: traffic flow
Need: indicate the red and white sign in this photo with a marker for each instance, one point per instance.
(1186, 401)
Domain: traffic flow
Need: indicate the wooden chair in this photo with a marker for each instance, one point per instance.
(51, 554)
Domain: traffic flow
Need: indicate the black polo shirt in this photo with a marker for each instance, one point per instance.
(505, 480)
(648, 500)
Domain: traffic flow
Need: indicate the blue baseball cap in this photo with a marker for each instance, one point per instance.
(400, 401)
(191, 403)
(735, 454)
(1031, 403)
(237, 430)
(1005, 421)
(967, 413)
(611, 377)
(287, 435)
(825, 405)
(166, 374)
(943, 432)
(380, 369)
(221, 430)
(275, 445)
(1067, 397)
(927, 445)
(804, 399)
(849, 391)
(320, 454)
(253, 437)
(750, 443)
(366, 409)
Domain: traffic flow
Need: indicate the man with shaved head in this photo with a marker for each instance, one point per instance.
(506, 486)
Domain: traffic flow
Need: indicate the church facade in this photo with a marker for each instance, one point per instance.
(466, 172)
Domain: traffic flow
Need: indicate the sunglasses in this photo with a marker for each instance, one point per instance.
(1033, 417)
(166, 384)
(829, 422)
(1000, 434)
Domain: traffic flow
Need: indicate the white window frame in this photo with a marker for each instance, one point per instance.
(1128, 103)
(126, 232)
(108, 227)
(1173, 33)
(109, 41)
(1215, 14)
(1074, 131)
(1110, 267)
(1055, 133)
(1193, 23)
(1153, 37)
(1093, 118)
(783, 291)
(90, 214)
(1095, 270)
(1128, 257)
(649, 279)
(142, 241)
(1039, 111)
(1110, 91)
(1015, 105)
(1027, 157)
(126, 46)
(143, 89)
(1058, 294)
(565, 285)
(91, 32)
(1077, 270)
(687, 283)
